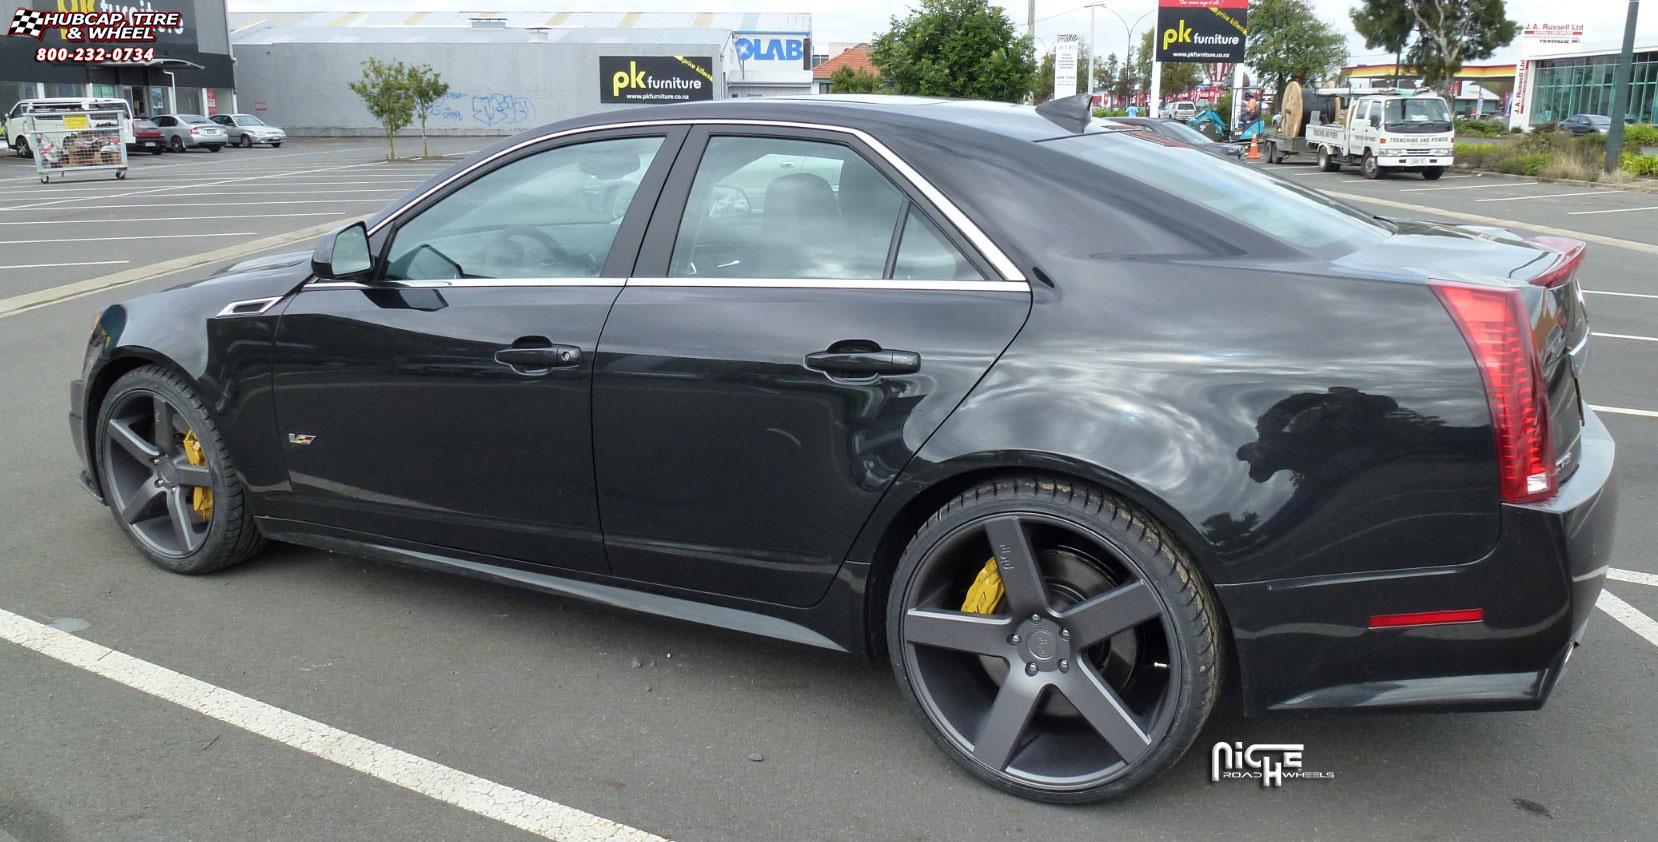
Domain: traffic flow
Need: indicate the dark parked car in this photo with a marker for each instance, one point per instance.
(147, 135)
(1066, 424)
(1578, 124)
(1177, 130)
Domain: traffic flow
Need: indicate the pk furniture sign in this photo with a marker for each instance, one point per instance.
(1201, 31)
(648, 80)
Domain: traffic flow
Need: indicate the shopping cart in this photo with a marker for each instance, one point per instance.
(77, 141)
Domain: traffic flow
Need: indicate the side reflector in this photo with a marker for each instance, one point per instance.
(1494, 322)
(1428, 618)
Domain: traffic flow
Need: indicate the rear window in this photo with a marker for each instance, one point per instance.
(1288, 213)
(196, 119)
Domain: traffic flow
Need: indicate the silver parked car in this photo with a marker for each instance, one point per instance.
(246, 130)
(186, 131)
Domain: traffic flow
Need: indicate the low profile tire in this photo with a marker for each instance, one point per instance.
(1326, 163)
(1089, 676)
(1369, 167)
(151, 484)
(1432, 173)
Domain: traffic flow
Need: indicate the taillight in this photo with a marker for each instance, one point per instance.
(1498, 331)
(195, 131)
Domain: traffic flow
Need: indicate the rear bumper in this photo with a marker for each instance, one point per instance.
(1305, 644)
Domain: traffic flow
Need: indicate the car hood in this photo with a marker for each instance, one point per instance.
(275, 274)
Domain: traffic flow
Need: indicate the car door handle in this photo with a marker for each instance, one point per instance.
(864, 363)
(551, 356)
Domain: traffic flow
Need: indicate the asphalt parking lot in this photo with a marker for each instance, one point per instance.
(646, 722)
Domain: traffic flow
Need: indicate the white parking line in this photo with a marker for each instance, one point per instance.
(1612, 210)
(1623, 294)
(548, 819)
(204, 204)
(1634, 576)
(1618, 410)
(149, 219)
(136, 237)
(1627, 336)
(1547, 196)
(1625, 613)
(1474, 186)
(51, 265)
(93, 194)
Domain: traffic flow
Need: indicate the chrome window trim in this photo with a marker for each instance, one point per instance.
(264, 304)
(472, 283)
(987, 247)
(833, 283)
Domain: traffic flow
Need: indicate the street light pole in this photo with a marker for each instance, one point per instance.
(1128, 32)
(1620, 88)
(1092, 42)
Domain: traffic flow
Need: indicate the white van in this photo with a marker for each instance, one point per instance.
(17, 119)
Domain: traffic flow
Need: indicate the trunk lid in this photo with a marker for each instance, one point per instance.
(1548, 265)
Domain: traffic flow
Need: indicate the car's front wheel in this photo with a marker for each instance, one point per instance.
(1369, 167)
(167, 476)
(1054, 639)
(246, 142)
(1432, 173)
(21, 146)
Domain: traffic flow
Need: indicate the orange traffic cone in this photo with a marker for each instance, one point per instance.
(1254, 147)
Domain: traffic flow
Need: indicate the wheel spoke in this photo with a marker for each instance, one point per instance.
(1021, 575)
(162, 434)
(121, 433)
(1101, 706)
(140, 501)
(192, 475)
(178, 513)
(1114, 611)
(1006, 722)
(963, 632)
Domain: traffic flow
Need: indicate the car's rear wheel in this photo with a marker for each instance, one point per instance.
(1055, 640)
(167, 476)
(1326, 161)
(177, 144)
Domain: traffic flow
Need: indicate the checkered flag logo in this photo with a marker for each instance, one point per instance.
(27, 23)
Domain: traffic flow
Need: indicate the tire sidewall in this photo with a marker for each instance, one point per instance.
(1191, 705)
(209, 556)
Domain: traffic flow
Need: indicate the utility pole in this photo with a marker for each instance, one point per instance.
(1089, 85)
(1030, 20)
(1620, 88)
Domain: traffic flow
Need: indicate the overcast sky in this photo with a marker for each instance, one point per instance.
(857, 20)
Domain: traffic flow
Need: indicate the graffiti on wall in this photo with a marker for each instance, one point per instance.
(491, 109)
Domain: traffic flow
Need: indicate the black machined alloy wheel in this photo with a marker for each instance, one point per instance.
(166, 476)
(1096, 666)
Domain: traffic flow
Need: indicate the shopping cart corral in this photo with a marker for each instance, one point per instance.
(77, 141)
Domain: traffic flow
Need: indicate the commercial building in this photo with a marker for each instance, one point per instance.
(855, 56)
(511, 71)
(191, 70)
(1561, 85)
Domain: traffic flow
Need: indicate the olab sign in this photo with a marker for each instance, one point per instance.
(1201, 31)
(655, 79)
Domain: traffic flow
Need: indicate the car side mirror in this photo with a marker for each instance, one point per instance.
(343, 255)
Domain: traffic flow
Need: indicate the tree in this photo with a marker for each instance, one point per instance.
(1287, 40)
(1175, 76)
(961, 48)
(1446, 32)
(854, 80)
(1105, 73)
(1128, 80)
(426, 88)
(1385, 25)
(1452, 31)
(384, 88)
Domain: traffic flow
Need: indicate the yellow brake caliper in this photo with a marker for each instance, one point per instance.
(985, 592)
(201, 499)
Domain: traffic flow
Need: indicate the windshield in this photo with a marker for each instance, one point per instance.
(1418, 111)
(248, 120)
(1293, 215)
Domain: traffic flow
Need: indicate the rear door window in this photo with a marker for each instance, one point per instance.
(925, 254)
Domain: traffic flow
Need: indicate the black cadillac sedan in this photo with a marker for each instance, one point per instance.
(1067, 423)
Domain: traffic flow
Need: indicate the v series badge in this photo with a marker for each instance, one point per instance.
(301, 438)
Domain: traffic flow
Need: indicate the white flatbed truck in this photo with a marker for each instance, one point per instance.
(1384, 133)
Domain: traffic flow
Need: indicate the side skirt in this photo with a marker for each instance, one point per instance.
(623, 596)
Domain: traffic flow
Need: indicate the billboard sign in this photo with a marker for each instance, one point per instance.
(650, 80)
(1065, 67)
(1201, 31)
